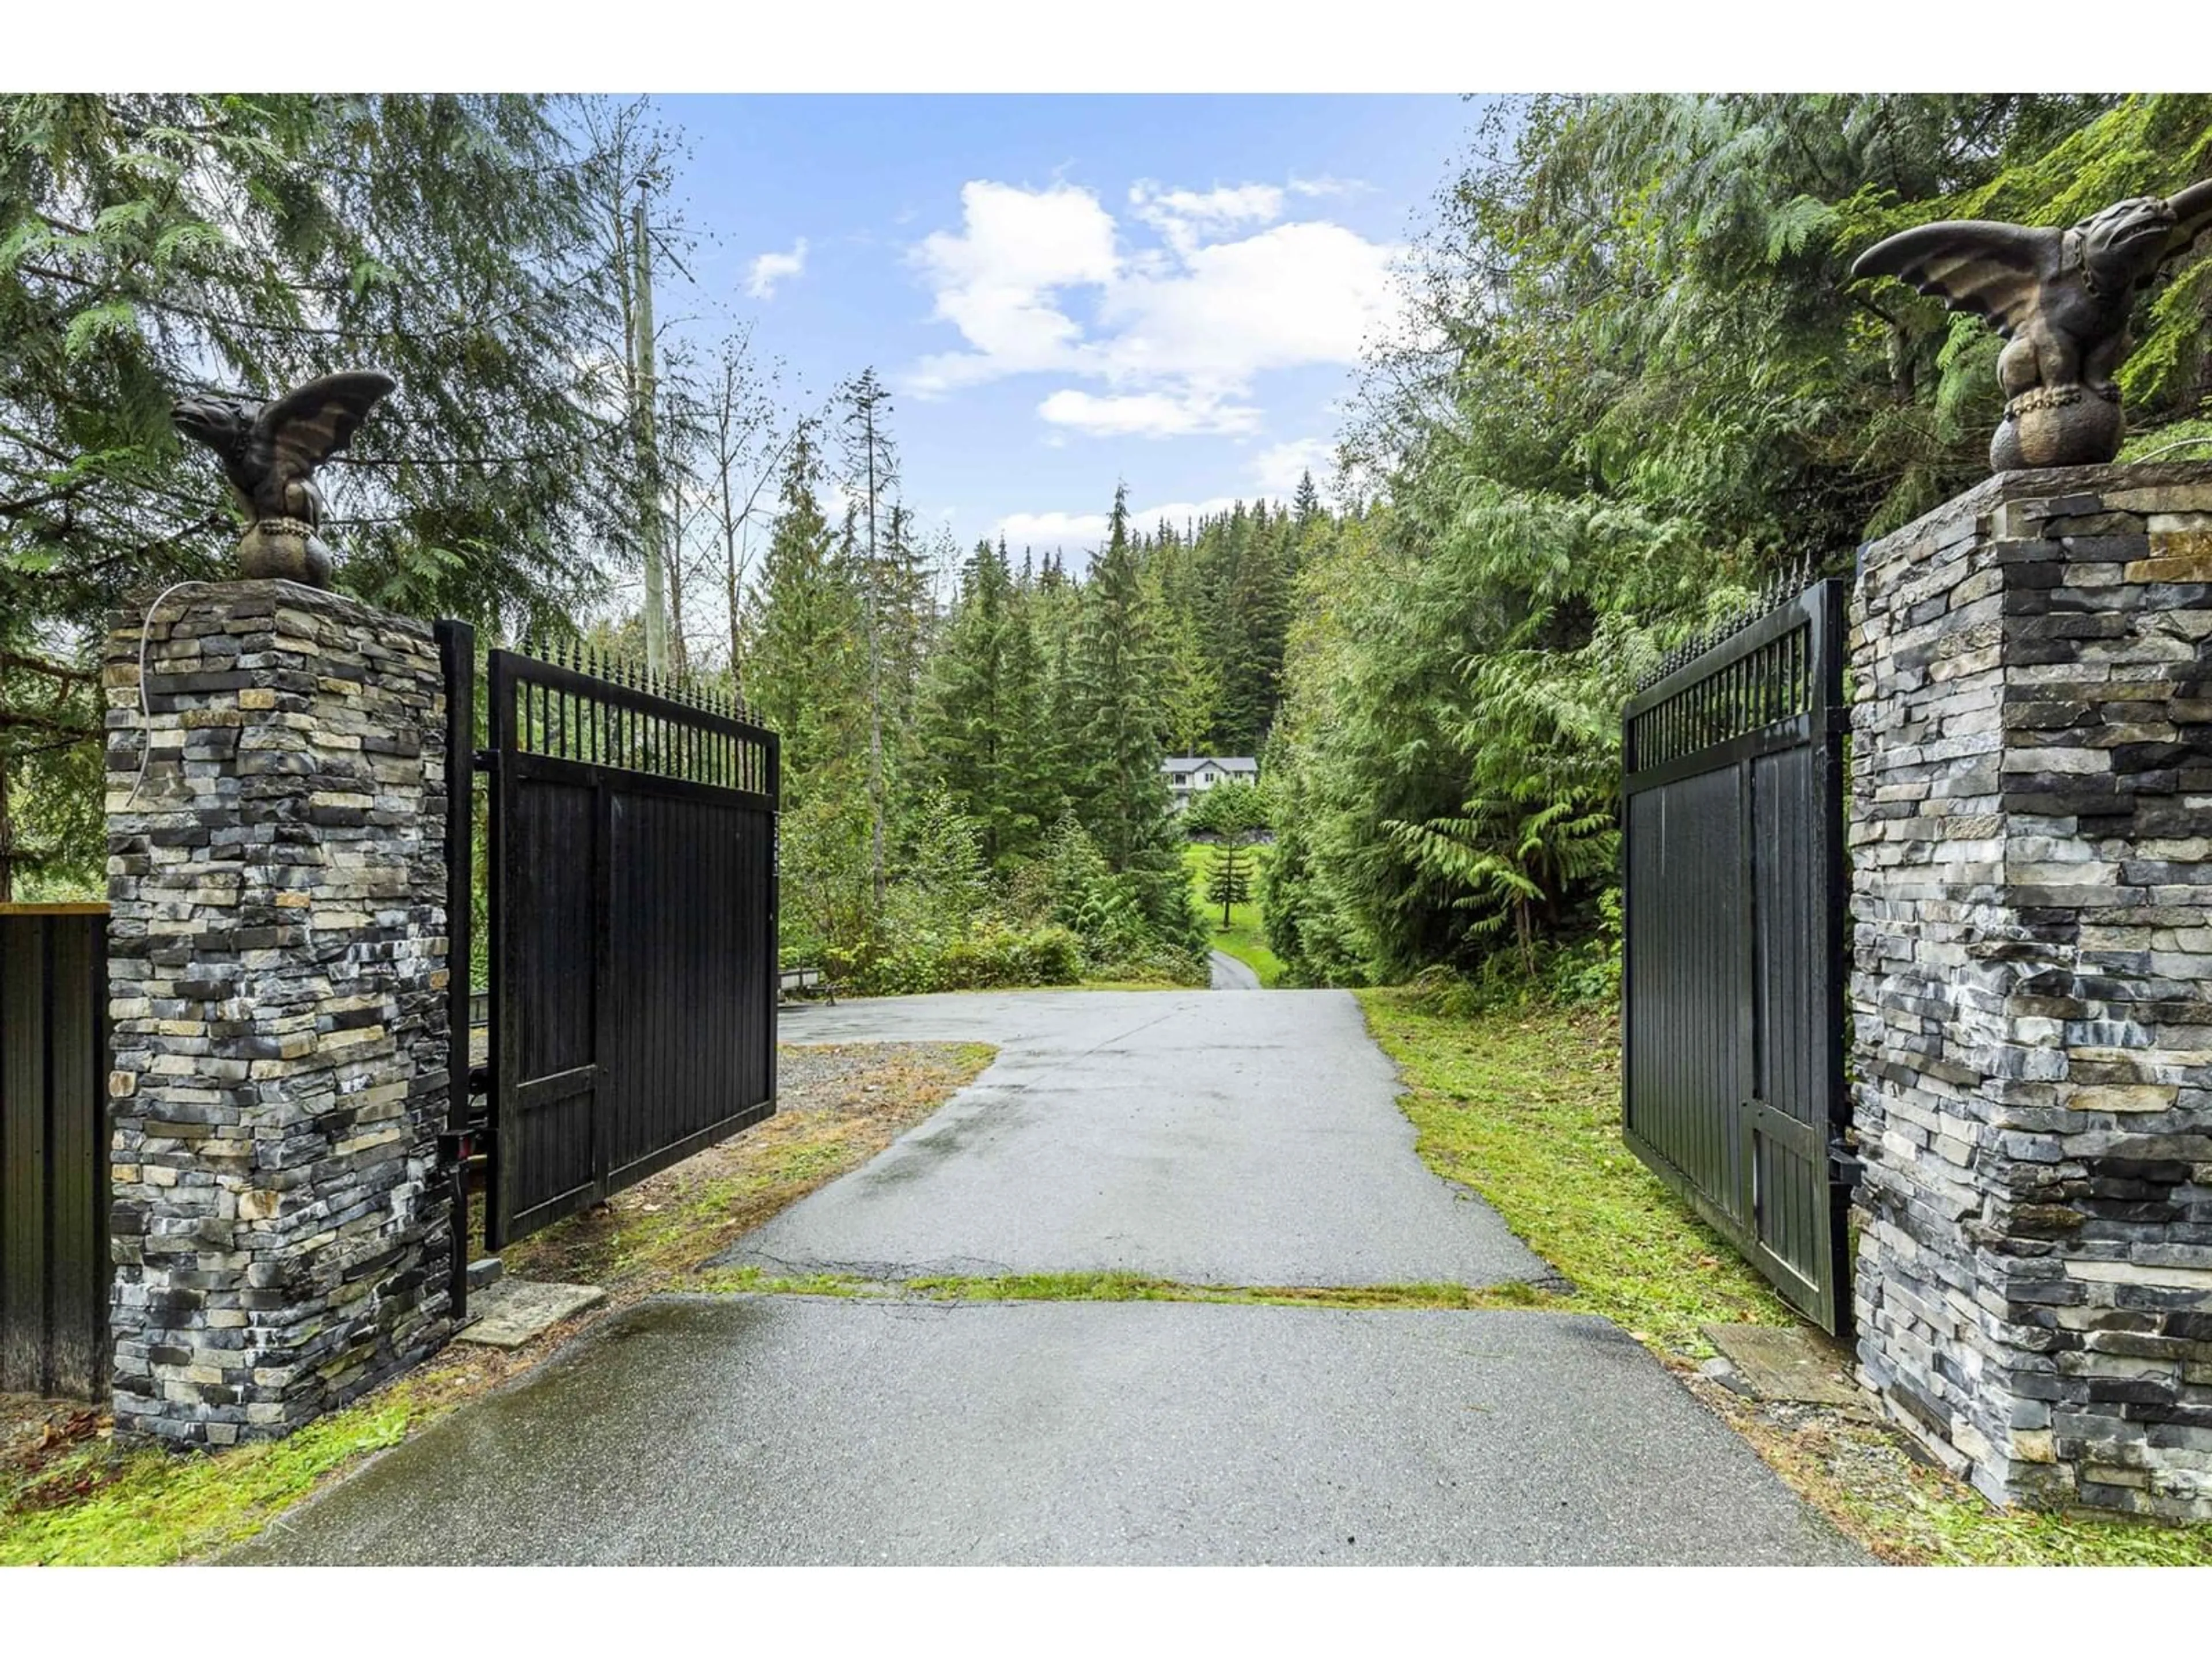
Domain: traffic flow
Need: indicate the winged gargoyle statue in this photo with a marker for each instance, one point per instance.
(270, 453)
(2060, 298)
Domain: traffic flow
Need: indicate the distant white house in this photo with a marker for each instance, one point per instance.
(1188, 774)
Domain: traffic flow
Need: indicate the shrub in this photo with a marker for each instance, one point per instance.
(997, 957)
(1577, 972)
(1233, 811)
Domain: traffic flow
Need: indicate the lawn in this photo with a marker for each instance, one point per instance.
(1524, 1107)
(1245, 938)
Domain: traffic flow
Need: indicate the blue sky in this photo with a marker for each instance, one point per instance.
(1066, 291)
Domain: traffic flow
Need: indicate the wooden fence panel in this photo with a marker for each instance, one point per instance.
(54, 1268)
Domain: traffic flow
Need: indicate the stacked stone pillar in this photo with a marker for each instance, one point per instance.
(277, 957)
(2031, 817)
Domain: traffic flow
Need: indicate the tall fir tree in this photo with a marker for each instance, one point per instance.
(968, 728)
(1126, 805)
(807, 677)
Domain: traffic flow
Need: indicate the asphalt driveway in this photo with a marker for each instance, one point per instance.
(1240, 1138)
(1197, 1136)
(798, 1430)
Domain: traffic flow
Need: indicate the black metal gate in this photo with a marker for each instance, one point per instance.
(1734, 891)
(633, 932)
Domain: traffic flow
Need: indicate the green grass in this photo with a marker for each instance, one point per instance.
(1138, 1287)
(1115, 1287)
(1245, 938)
(758, 1282)
(1524, 1107)
(1943, 1530)
(95, 1507)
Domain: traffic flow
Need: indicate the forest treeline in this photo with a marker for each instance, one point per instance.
(974, 792)
(1633, 383)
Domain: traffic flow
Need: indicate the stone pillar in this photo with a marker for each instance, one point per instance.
(277, 946)
(2032, 999)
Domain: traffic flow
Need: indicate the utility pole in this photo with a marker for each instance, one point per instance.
(649, 526)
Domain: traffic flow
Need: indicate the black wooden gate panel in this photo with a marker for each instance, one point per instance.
(54, 1269)
(633, 954)
(1734, 883)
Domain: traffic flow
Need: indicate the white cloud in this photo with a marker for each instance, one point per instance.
(996, 279)
(1146, 414)
(1044, 530)
(1177, 331)
(1328, 185)
(770, 268)
(1179, 513)
(1186, 217)
(1083, 533)
(1278, 468)
(1290, 296)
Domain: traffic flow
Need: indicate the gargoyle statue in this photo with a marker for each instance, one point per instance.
(270, 453)
(2060, 299)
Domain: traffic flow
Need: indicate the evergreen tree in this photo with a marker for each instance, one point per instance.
(1229, 882)
(807, 678)
(1126, 805)
(152, 244)
(1036, 788)
(967, 723)
(871, 474)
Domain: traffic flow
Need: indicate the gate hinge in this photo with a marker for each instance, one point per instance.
(485, 759)
(1844, 1167)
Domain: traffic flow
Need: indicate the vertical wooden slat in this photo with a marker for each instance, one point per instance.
(77, 1271)
(505, 1168)
(23, 1047)
(54, 1272)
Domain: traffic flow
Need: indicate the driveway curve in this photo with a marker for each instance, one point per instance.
(1231, 975)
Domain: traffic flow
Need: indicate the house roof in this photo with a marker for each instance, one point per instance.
(1226, 763)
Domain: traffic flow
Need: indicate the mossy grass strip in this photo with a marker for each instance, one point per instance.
(1524, 1107)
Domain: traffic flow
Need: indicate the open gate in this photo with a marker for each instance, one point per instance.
(633, 948)
(1734, 894)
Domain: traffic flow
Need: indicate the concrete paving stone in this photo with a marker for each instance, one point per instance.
(1777, 1362)
(512, 1312)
